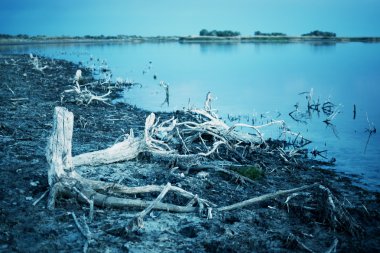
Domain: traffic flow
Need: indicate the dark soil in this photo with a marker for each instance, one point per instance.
(27, 100)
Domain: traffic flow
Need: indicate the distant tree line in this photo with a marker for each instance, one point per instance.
(36, 37)
(203, 32)
(103, 37)
(226, 33)
(320, 34)
(258, 33)
(18, 36)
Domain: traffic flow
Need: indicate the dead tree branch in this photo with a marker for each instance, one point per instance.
(263, 198)
(137, 221)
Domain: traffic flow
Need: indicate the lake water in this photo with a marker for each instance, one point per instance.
(256, 82)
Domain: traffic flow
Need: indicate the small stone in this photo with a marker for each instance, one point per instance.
(34, 183)
(29, 198)
(163, 238)
(229, 232)
(203, 174)
(152, 215)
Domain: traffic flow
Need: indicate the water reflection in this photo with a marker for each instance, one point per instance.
(212, 48)
(323, 47)
(255, 83)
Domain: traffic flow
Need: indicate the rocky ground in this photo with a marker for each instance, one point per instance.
(27, 99)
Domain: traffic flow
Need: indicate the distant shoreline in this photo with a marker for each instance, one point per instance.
(279, 39)
(47, 40)
(190, 39)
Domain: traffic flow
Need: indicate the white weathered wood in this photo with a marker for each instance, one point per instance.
(156, 141)
(137, 221)
(40, 198)
(58, 152)
(158, 199)
(123, 189)
(333, 246)
(63, 178)
(263, 198)
(122, 151)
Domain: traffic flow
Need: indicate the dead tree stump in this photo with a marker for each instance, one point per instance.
(58, 153)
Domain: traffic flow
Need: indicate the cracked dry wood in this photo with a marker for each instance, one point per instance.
(58, 151)
(119, 152)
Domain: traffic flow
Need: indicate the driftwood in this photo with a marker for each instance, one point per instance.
(81, 94)
(167, 96)
(159, 139)
(264, 198)
(85, 231)
(64, 180)
(122, 151)
(371, 130)
(137, 221)
(36, 63)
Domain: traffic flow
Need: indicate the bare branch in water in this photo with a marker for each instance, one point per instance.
(371, 130)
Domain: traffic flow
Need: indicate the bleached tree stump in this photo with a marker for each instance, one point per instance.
(58, 151)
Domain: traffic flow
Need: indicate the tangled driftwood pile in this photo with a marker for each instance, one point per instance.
(83, 93)
(171, 139)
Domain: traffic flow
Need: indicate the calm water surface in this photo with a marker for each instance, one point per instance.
(256, 82)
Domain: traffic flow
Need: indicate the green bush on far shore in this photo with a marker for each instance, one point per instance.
(215, 33)
(258, 33)
(320, 34)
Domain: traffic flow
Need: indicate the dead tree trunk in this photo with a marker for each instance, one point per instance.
(58, 152)
(122, 151)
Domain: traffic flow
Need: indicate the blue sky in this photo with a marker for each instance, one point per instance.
(186, 17)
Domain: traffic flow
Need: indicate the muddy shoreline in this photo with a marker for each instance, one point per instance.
(27, 99)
